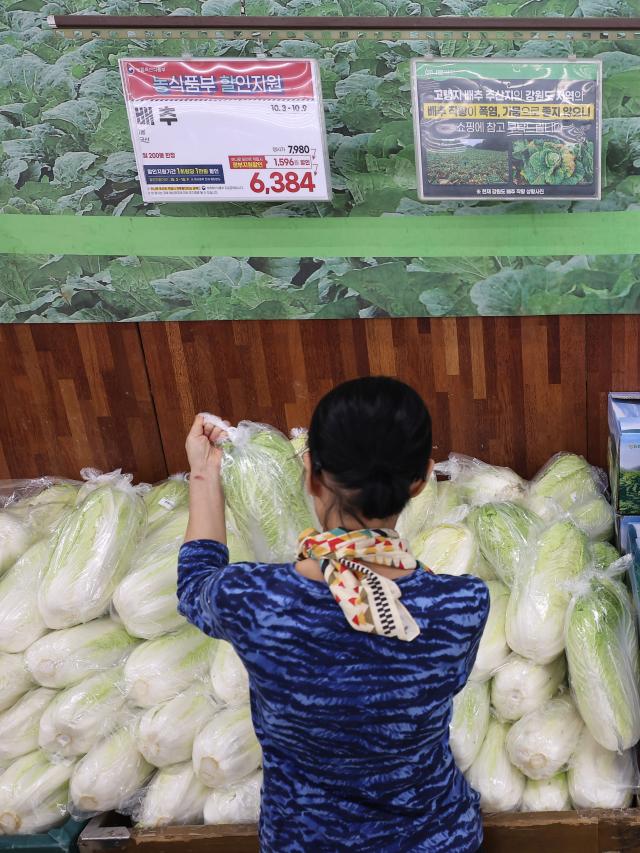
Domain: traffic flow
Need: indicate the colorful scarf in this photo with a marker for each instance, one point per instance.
(369, 601)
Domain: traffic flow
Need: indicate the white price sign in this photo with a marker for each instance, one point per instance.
(227, 130)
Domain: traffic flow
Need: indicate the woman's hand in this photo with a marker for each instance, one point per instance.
(203, 452)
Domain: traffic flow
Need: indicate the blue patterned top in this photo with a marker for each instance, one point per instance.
(354, 727)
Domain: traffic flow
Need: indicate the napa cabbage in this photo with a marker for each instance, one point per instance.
(20, 621)
(33, 795)
(227, 748)
(416, 517)
(493, 776)
(600, 778)
(20, 724)
(14, 679)
(547, 795)
(502, 531)
(229, 677)
(604, 667)
(493, 650)
(448, 549)
(166, 733)
(469, 723)
(520, 685)
(239, 803)
(175, 796)
(542, 742)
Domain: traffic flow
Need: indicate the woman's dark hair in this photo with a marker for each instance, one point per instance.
(373, 437)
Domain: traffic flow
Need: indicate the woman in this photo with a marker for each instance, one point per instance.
(355, 651)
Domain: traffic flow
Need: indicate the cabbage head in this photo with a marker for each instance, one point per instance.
(547, 795)
(175, 796)
(604, 668)
(15, 538)
(540, 598)
(447, 549)
(165, 497)
(542, 742)
(227, 749)
(502, 531)
(239, 803)
(20, 724)
(601, 779)
(493, 650)
(595, 518)
(229, 677)
(566, 479)
(20, 621)
(416, 517)
(14, 679)
(109, 775)
(602, 554)
(493, 776)
(521, 686)
(469, 723)
(91, 554)
(481, 483)
(33, 795)
(166, 733)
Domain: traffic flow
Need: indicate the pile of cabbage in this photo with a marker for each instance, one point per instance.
(109, 700)
(551, 713)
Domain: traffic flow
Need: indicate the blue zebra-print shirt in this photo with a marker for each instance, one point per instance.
(353, 727)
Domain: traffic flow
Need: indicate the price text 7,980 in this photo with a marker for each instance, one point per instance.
(279, 182)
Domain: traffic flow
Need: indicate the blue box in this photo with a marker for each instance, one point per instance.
(624, 451)
(61, 840)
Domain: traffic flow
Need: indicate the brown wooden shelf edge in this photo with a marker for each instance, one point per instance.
(278, 22)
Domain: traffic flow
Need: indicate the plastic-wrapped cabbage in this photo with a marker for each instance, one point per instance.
(166, 732)
(229, 677)
(83, 714)
(416, 517)
(20, 621)
(63, 658)
(175, 796)
(502, 531)
(448, 549)
(469, 723)
(547, 795)
(493, 650)
(521, 686)
(481, 483)
(499, 783)
(603, 554)
(239, 803)
(541, 743)
(160, 669)
(14, 679)
(43, 511)
(264, 488)
(33, 795)
(450, 506)
(299, 438)
(602, 653)
(165, 497)
(595, 518)
(92, 552)
(540, 598)
(109, 775)
(145, 600)
(15, 538)
(601, 779)
(227, 748)
(484, 570)
(566, 479)
(20, 724)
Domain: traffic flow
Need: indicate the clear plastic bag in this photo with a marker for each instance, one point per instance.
(541, 592)
(264, 488)
(227, 749)
(542, 742)
(160, 669)
(239, 803)
(175, 796)
(110, 776)
(603, 658)
(81, 715)
(63, 658)
(493, 776)
(503, 531)
(469, 723)
(520, 686)
(92, 551)
(164, 497)
(493, 650)
(20, 621)
(166, 733)
(481, 483)
(33, 795)
(601, 779)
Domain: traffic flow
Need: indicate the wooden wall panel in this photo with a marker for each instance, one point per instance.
(509, 390)
(74, 396)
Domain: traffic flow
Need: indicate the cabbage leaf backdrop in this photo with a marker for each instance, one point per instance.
(65, 150)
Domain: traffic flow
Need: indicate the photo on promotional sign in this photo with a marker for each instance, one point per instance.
(503, 129)
(227, 129)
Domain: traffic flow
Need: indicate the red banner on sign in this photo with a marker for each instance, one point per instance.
(196, 79)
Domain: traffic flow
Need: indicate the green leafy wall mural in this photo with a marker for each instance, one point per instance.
(65, 150)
